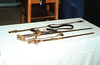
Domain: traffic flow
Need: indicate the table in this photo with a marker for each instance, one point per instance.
(83, 50)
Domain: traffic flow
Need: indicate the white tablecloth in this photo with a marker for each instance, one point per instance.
(83, 50)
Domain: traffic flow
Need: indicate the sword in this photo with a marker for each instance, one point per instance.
(38, 33)
(51, 31)
(36, 41)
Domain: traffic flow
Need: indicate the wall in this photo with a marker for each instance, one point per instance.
(5, 3)
(92, 11)
(13, 2)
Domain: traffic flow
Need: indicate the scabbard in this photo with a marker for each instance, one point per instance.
(33, 29)
(68, 36)
(36, 41)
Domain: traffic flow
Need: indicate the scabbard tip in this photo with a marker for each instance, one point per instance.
(9, 32)
(81, 21)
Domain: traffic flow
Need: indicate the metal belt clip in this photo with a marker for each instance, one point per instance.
(40, 2)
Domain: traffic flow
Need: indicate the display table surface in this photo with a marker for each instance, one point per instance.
(83, 50)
